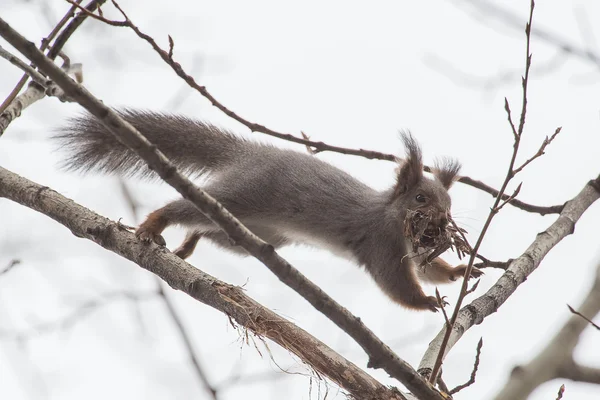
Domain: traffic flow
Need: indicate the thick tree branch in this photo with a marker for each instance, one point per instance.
(516, 274)
(228, 299)
(380, 355)
(556, 359)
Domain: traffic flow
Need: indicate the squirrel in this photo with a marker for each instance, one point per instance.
(283, 196)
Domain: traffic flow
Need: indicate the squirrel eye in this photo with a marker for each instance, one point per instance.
(420, 198)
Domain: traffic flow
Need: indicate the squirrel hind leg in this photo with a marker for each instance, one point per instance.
(267, 234)
(187, 247)
(150, 230)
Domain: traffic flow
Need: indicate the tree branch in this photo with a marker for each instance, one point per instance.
(517, 134)
(516, 274)
(556, 359)
(380, 355)
(13, 106)
(230, 300)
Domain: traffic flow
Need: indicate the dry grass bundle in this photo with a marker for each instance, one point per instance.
(422, 233)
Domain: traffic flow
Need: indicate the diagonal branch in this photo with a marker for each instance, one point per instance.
(380, 355)
(556, 359)
(516, 274)
(230, 300)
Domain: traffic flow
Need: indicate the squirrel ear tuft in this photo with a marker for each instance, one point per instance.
(446, 171)
(410, 170)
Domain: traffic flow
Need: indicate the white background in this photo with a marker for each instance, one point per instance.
(344, 72)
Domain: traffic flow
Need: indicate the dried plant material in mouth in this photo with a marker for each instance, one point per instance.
(457, 241)
(421, 232)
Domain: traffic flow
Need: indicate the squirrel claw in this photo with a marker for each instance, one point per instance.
(460, 272)
(433, 304)
(476, 273)
(148, 236)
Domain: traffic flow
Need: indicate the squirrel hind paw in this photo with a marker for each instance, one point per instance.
(149, 236)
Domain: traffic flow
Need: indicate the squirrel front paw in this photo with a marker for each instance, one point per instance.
(459, 272)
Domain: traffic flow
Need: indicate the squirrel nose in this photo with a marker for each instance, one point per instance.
(442, 220)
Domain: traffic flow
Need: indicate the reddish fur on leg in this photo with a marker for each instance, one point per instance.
(150, 230)
(189, 244)
(439, 271)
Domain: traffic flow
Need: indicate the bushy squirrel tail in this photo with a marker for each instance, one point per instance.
(195, 147)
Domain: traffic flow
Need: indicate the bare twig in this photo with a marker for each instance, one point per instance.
(473, 373)
(474, 287)
(36, 76)
(540, 152)
(492, 264)
(11, 265)
(45, 43)
(496, 209)
(380, 355)
(442, 303)
(561, 391)
(509, 175)
(14, 105)
(583, 316)
(314, 146)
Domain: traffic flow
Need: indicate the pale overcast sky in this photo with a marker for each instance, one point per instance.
(345, 72)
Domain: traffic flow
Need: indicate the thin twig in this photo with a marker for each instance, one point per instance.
(314, 146)
(540, 152)
(474, 287)
(492, 264)
(442, 303)
(473, 373)
(11, 265)
(36, 76)
(495, 210)
(583, 316)
(44, 45)
(13, 106)
(509, 175)
(561, 391)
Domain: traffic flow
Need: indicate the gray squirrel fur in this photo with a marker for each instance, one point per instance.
(283, 196)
